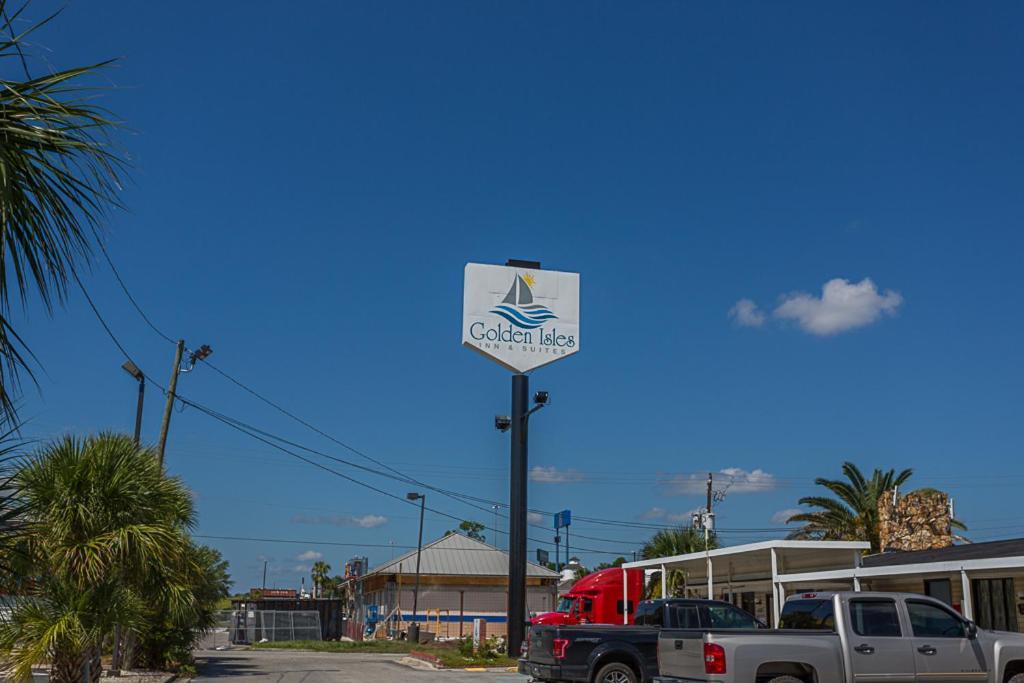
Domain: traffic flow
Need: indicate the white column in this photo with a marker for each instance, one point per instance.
(625, 597)
(856, 565)
(967, 602)
(856, 583)
(664, 583)
(711, 580)
(776, 590)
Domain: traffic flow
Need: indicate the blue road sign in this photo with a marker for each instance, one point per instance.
(563, 518)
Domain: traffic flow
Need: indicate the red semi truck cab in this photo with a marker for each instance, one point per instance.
(597, 599)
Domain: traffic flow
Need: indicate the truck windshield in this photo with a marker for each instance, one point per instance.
(810, 614)
(565, 605)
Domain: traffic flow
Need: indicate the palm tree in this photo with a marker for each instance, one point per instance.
(104, 539)
(58, 178)
(669, 542)
(853, 514)
(321, 570)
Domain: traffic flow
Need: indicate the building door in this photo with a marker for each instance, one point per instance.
(994, 602)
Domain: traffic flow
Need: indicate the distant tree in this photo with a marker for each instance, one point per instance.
(319, 574)
(669, 542)
(471, 529)
(617, 562)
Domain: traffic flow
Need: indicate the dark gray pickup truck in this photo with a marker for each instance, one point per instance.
(601, 653)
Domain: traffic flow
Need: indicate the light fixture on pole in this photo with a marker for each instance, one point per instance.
(133, 370)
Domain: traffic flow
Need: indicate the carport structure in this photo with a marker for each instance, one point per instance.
(758, 567)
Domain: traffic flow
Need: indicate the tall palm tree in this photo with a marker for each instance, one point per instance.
(104, 539)
(58, 178)
(853, 514)
(668, 542)
(321, 570)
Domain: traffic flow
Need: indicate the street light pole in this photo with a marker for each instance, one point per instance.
(133, 370)
(419, 549)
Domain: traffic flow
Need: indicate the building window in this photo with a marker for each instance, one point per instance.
(940, 589)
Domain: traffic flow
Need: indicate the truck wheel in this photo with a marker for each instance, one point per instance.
(1017, 678)
(615, 673)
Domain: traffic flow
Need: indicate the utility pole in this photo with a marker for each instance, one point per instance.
(169, 407)
(709, 520)
(264, 576)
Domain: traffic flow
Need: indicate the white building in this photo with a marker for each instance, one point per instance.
(984, 581)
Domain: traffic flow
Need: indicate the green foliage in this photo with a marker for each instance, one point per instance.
(167, 639)
(617, 562)
(669, 542)
(58, 179)
(852, 515)
(104, 542)
(470, 528)
(319, 574)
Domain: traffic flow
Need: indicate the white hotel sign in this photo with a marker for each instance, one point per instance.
(519, 317)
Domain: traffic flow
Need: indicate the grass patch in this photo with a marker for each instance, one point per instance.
(449, 653)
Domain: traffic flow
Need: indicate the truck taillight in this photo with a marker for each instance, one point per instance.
(559, 646)
(714, 658)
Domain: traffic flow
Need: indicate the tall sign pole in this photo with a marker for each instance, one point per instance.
(517, 514)
(522, 318)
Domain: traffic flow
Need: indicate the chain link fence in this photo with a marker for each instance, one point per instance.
(258, 626)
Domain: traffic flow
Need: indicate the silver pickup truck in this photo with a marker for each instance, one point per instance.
(847, 638)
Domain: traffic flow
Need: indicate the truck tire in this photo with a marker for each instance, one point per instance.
(1017, 678)
(785, 679)
(616, 672)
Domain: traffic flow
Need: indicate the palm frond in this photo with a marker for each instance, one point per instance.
(59, 177)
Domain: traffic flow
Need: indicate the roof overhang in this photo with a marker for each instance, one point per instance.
(979, 565)
(754, 561)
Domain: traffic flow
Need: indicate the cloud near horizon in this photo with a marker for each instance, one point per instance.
(363, 521)
(553, 475)
(842, 306)
(782, 516)
(309, 555)
(730, 479)
(534, 518)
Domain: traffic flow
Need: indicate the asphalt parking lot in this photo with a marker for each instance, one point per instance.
(290, 666)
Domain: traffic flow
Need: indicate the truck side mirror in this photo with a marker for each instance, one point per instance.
(972, 630)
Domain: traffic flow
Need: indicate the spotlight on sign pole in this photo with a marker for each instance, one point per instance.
(502, 423)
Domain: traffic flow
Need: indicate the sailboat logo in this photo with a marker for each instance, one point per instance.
(518, 307)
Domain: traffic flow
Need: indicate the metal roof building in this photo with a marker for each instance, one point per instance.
(461, 579)
(458, 555)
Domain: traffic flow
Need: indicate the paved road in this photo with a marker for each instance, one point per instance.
(279, 666)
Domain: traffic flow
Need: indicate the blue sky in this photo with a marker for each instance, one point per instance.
(309, 180)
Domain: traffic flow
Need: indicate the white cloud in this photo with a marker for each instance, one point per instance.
(364, 521)
(682, 517)
(534, 518)
(301, 569)
(842, 306)
(654, 513)
(782, 516)
(309, 555)
(730, 479)
(553, 475)
(746, 314)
